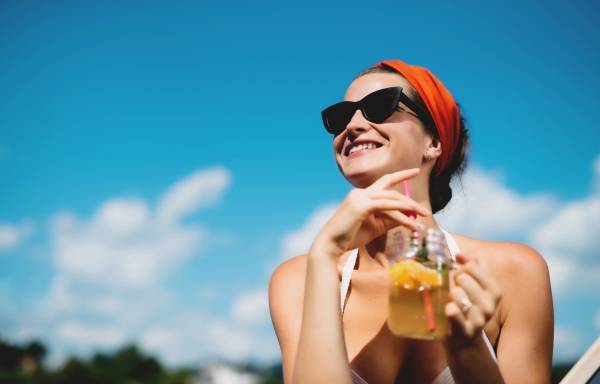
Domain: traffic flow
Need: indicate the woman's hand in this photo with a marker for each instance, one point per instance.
(475, 297)
(368, 213)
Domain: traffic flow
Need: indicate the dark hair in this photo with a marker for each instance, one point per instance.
(440, 192)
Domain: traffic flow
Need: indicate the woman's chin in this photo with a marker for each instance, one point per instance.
(363, 168)
(362, 178)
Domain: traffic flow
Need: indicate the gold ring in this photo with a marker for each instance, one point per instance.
(466, 304)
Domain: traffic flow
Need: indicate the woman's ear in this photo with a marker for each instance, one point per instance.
(435, 148)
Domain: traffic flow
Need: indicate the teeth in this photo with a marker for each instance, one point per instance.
(361, 146)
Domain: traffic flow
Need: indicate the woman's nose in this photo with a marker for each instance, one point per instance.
(358, 124)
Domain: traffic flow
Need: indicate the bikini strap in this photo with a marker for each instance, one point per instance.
(346, 276)
(451, 245)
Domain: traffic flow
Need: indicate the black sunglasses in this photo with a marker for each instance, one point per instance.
(376, 107)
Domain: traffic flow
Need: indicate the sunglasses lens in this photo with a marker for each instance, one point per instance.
(338, 119)
(376, 107)
(379, 108)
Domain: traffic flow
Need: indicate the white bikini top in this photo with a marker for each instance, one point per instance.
(445, 377)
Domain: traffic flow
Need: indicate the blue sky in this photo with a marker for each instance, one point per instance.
(112, 113)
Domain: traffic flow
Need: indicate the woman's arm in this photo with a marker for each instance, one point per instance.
(322, 356)
(318, 354)
(286, 298)
(527, 318)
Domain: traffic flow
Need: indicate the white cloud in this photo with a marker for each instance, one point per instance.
(298, 242)
(568, 343)
(561, 270)
(61, 295)
(11, 235)
(190, 338)
(574, 230)
(487, 208)
(91, 335)
(106, 305)
(126, 244)
(235, 343)
(158, 338)
(120, 218)
(182, 339)
(566, 235)
(231, 343)
(251, 307)
(110, 266)
(569, 239)
(127, 259)
(108, 291)
(200, 189)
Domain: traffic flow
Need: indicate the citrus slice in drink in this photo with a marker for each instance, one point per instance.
(426, 276)
(400, 275)
(411, 274)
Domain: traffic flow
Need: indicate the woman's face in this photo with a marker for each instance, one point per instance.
(396, 144)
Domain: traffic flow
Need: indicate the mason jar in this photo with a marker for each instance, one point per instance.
(419, 284)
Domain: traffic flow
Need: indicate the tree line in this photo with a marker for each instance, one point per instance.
(23, 365)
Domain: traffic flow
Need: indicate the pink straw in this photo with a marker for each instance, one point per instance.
(428, 310)
(412, 215)
(426, 296)
(407, 194)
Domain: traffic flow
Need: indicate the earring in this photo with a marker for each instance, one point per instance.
(427, 156)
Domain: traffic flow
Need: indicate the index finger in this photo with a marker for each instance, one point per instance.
(391, 179)
(474, 269)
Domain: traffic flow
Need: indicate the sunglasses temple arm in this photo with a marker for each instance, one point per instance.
(418, 110)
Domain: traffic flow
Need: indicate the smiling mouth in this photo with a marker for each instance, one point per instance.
(360, 147)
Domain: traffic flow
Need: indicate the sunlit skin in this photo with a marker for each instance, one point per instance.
(318, 345)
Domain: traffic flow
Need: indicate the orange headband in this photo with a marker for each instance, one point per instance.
(440, 104)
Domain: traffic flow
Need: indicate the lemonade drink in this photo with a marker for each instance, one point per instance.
(407, 316)
(419, 287)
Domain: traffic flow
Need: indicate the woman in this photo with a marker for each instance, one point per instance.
(386, 136)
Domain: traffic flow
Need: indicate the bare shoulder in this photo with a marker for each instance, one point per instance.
(519, 270)
(286, 299)
(290, 274)
(508, 259)
(523, 326)
(286, 291)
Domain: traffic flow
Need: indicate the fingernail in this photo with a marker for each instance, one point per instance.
(420, 226)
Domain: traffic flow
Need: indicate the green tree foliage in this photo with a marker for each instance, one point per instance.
(11, 356)
(126, 366)
(22, 365)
